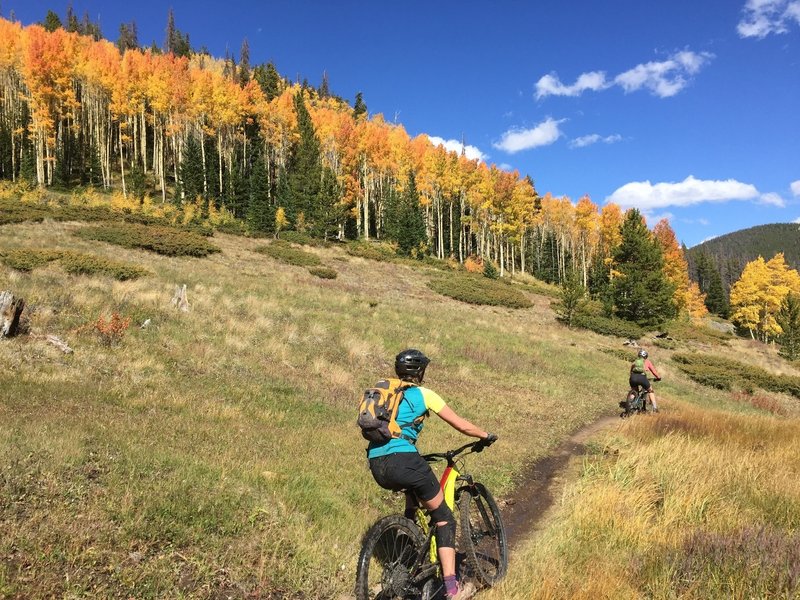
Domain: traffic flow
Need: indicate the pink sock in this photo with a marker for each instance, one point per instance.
(450, 585)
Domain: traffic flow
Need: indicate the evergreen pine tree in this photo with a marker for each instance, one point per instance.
(305, 167)
(328, 213)
(641, 292)
(191, 171)
(359, 108)
(269, 79)
(283, 192)
(789, 320)
(716, 298)
(244, 63)
(51, 21)
(324, 89)
(260, 211)
(411, 234)
(128, 37)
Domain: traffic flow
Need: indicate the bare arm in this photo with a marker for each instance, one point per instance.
(459, 423)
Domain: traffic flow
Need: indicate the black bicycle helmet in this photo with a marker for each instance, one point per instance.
(642, 353)
(410, 364)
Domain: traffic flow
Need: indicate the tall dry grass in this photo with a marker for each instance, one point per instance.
(694, 503)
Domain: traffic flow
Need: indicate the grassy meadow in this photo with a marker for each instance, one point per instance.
(214, 453)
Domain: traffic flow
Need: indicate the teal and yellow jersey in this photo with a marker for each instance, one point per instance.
(416, 402)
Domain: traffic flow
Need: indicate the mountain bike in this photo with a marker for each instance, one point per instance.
(636, 405)
(398, 556)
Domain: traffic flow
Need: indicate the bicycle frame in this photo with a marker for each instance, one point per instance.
(450, 476)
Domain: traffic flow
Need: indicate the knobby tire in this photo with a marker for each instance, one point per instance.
(390, 550)
(483, 536)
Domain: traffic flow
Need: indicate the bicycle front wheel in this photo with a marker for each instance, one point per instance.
(483, 537)
(392, 551)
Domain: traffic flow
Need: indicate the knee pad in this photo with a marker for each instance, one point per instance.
(445, 534)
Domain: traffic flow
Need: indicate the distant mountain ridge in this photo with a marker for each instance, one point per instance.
(733, 251)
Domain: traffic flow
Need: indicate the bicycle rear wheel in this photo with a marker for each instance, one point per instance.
(483, 537)
(391, 551)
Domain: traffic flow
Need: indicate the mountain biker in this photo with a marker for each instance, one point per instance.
(638, 377)
(396, 465)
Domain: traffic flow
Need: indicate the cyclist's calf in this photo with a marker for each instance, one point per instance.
(445, 526)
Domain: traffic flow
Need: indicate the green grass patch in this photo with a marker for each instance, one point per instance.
(285, 252)
(75, 263)
(372, 250)
(608, 326)
(475, 289)
(303, 239)
(620, 353)
(726, 373)
(159, 239)
(688, 331)
(323, 272)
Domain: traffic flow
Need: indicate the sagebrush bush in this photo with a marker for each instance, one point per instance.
(303, 239)
(372, 250)
(608, 326)
(168, 241)
(75, 263)
(726, 373)
(285, 252)
(323, 272)
(88, 264)
(28, 260)
(479, 290)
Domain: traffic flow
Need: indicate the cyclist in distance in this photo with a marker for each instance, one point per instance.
(397, 465)
(638, 377)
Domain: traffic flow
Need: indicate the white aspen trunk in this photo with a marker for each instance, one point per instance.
(143, 141)
(219, 154)
(502, 260)
(522, 251)
(203, 154)
(122, 164)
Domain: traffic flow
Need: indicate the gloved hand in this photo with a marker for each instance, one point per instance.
(485, 442)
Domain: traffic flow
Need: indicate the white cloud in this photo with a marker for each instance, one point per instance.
(549, 85)
(772, 199)
(763, 17)
(795, 187)
(588, 140)
(797, 220)
(544, 134)
(644, 195)
(471, 152)
(663, 79)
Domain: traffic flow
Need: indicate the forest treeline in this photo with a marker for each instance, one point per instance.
(180, 125)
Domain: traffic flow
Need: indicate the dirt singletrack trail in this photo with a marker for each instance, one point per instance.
(539, 484)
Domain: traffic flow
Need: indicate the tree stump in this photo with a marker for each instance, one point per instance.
(10, 314)
(179, 298)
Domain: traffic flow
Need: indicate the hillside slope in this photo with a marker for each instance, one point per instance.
(214, 453)
(734, 250)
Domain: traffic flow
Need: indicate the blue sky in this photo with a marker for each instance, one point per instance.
(684, 109)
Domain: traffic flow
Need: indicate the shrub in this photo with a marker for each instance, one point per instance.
(479, 290)
(696, 332)
(28, 260)
(162, 240)
(474, 264)
(620, 353)
(112, 331)
(372, 250)
(285, 252)
(490, 270)
(232, 228)
(76, 263)
(323, 272)
(88, 264)
(608, 326)
(303, 239)
(726, 373)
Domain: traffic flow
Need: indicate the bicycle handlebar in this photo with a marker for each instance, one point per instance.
(450, 455)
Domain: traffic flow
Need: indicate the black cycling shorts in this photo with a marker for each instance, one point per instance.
(639, 379)
(405, 471)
